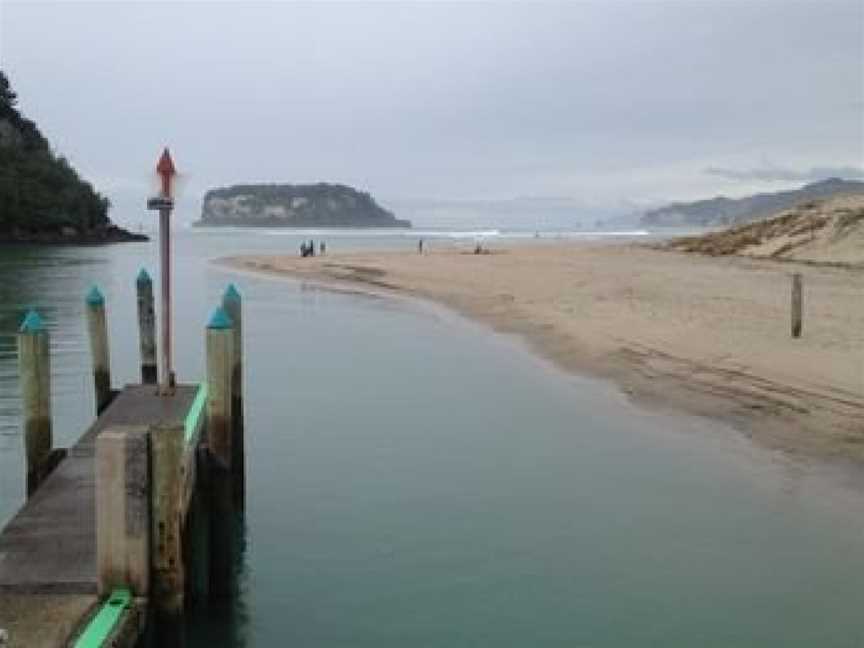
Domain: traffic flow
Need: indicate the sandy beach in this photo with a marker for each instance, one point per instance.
(708, 336)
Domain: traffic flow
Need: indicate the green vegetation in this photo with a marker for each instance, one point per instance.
(287, 205)
(42, 198)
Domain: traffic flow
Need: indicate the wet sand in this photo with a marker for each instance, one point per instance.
(708, 336)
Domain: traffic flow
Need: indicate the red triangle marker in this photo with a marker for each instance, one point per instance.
(165, 168)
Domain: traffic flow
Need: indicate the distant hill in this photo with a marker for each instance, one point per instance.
(42, 198)
(830, 230)
(287, 205)
(732, 211)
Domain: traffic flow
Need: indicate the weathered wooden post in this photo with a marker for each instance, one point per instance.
(220, 369)
(98, 328)
(123, 509)
(34, 363)
(166, 556)
(797, 304)
(146, 327)
(232, 303)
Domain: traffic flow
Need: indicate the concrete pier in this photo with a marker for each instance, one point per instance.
(48, 571)
(109, 541)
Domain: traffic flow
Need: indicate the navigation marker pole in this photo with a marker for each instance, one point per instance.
(164, 203)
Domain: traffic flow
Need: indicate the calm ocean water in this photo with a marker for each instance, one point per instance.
(415, 480)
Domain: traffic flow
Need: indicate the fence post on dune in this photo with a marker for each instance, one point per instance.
(797, 304)
(232, 303)
(146, 327)
(97, 326)
(220, 368)
(34, 363)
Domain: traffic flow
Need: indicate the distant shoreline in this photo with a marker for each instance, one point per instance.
(706, 336)
(108, 235)
(276, 223)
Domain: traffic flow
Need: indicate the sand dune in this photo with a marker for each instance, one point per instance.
(819, 231)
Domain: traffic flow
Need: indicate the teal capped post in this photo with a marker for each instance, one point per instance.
(97, 326)
(231, 293)
(146, 327)
(95, 297)
(233, 305)
(219, 319)
(32, 323)
(34, 368)
(220, 438)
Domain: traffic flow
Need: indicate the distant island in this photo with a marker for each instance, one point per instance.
(42, 198)
(288, 205)
(731, 211)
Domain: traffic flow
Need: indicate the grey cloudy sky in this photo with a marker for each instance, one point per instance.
(607, 102)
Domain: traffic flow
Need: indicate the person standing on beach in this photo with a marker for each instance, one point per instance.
(420, 246)
(322, 248)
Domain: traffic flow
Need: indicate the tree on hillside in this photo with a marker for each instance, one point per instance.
(38, 190)
(7, 97)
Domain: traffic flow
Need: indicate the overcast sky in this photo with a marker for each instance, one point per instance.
(607, 102)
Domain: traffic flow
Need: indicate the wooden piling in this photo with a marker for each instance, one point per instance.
(97, 326)
(146, 327)
(220, 366)
(220, 369)
(797, 304)
(123, 509)
(197, 546)
(34, 363)
(167, 567)
(232, 303)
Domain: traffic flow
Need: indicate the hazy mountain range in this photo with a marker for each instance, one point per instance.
(721, 211)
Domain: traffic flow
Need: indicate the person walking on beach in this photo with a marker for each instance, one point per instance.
(420, 246)
(311, 247)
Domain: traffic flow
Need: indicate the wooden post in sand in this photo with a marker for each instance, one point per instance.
(233, 305)
(34, 363)
(220, 369)
(146, 327)
(797, 304)
(97, 325)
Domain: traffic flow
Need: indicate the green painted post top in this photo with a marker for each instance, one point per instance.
(143, 277)
(100, 627)
(95, 297)
(231, 293)
(220, 320)
(32, 323)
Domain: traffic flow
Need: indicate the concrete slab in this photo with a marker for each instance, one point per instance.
(42, 620)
